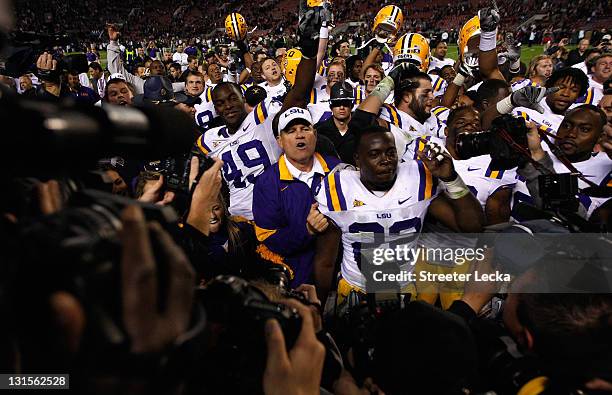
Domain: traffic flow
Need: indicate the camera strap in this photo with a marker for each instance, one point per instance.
(563, 159)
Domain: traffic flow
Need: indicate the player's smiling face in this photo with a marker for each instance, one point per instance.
(229, 103)
(377, 160)
(568, 92)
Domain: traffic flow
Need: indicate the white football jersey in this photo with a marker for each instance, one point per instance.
(205, 111)
(245, 154)
(432, 126)
(476, 172)
(441, 113)
(368, 221)
(549, 120)
(597, 169)
(521, 84)
(435, 63)
(318, 105)
(277, 92)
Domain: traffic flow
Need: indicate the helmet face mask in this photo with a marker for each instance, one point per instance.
(235, 26)
(388, 21)
(290, 64)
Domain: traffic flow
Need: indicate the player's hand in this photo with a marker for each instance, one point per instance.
(513, 50)
(469, 67)
(316, 222)
(309, 27)
(489, 18)
(297, 372)
(530, 97)
(438, 162)
(534, 143)
(46, 62)
(205, 194)
(150, 329)
(113, 32)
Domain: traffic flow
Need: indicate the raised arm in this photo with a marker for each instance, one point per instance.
(115, 65)
(309, 29)
(487, 59)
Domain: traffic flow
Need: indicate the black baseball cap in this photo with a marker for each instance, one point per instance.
(254, 95)
(157, 91)
(341, 91)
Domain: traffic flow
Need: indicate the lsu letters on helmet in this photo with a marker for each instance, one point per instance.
(235, 26)
(388, 19)
(414, 48)
(469, 30)
(290, 64)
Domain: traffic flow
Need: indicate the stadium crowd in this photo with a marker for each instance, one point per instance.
(216, 209)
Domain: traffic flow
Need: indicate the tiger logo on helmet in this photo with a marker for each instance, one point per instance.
(414, 48)
(235, 26)
(469, 30)
(290, 64)
(388, 20)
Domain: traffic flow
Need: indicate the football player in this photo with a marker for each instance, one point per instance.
(564, 87)
(381, 205)
(246, 142)
(573, 152)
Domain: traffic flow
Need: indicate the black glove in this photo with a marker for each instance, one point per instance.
(530, 97)
(309, 26)
(489, 18)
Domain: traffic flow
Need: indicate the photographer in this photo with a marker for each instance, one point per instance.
(560, 342)
(573, 148)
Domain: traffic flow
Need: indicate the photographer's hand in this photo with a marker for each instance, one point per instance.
(49, 197)
(310, 292)
(534, 142)
(47, 72)
(151, 330)
(297, 372)
(205, 194)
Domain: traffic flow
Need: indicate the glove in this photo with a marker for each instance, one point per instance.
(309, 27)
(528, 97)
(467, 68)
(489, 18)
(513, 51)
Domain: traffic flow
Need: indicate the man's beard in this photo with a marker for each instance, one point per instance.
(419, 111)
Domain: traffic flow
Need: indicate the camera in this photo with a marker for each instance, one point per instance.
(69, 137)
(504, 142)
(176, 170)
(236, 316)
(78, 250)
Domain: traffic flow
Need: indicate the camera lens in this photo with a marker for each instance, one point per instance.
(469, 145)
